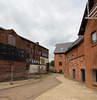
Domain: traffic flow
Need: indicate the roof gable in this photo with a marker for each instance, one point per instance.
(84, 20)
(61, 48)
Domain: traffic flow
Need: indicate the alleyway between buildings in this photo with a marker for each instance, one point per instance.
(51, 87)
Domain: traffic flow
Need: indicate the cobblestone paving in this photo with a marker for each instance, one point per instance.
(30, 91)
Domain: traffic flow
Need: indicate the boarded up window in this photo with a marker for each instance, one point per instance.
(43, 61)
(11, 40)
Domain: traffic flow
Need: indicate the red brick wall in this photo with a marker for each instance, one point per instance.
(90, 53)
(19, 67)
(57, 60)
(81, 49)
(77, 63)
(71, 52)
(19, 70)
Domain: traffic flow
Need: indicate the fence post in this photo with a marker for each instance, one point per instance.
(11, 82)
(28, 76)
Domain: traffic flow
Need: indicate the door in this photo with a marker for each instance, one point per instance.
(73, 73)
(83, 75)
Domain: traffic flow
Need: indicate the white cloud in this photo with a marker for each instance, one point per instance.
(47, 21)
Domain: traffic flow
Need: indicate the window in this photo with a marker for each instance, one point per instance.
(60, 63)
(39, 48)
(68, 59)
(28, 44)
(44, 51)
(61, 49)
(60, 71)
(33, 46)
(95, 75)
(72, 56)
(27, 67)
(11, 40)
(74, 74)
(34, 56)
(60, 55)
(94, 39)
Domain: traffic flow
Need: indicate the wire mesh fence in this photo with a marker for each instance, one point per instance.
(14, 73)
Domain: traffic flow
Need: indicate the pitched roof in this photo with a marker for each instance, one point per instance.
(68, 46)
(61, 48)
(1, 28)
(22, 37)
(84, 21)
(77, 42)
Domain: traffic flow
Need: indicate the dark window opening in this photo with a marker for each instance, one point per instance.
(95, 75)
(39, 48)
(83, 75)
(27, 67)
(33, 46)
(28, 44)
(60, 71)
(60, 63)
(34, 56)
(74, 74)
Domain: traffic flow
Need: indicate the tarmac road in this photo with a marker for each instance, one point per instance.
(30, 91)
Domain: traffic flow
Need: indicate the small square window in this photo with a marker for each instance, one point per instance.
(94, 39)
(60, 63)
(60, 55)
(61, 49)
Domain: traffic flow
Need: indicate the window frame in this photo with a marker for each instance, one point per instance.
(72, 56)
(95, 41)
(60, 64)
(60, 55)
(94, 75)
(11, 39)
(68, 59)
(61, 49)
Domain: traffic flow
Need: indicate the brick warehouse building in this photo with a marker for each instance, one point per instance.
(59, 56)
(89, 30)
(20, 55)
(80, 58)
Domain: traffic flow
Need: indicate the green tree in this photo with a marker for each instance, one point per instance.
(51, 63)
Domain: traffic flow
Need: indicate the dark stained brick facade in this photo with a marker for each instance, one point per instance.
(19, 53)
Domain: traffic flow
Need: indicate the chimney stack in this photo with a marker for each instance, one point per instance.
(37, 43)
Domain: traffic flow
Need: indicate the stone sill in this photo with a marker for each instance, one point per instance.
(93, 45)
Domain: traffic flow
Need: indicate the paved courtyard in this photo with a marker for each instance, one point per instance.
(51, 87)
(69, 90)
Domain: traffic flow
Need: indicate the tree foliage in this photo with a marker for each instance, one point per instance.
(51, 63)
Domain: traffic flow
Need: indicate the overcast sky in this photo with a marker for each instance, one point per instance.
(48, 22)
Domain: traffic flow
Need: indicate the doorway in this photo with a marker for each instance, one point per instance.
(83, 75)
(73, 73)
